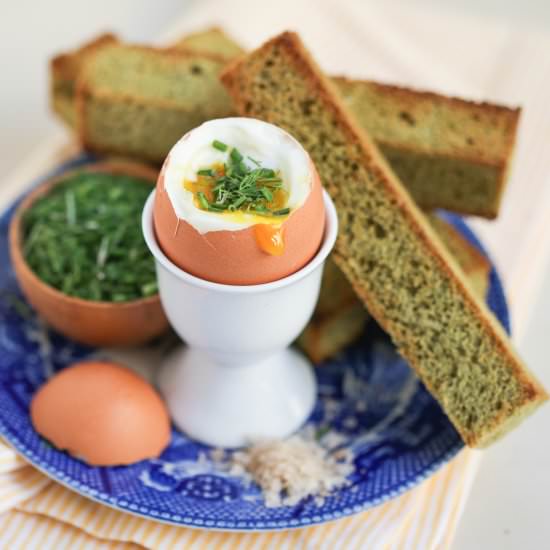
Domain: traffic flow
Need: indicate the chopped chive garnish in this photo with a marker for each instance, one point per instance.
(267, 173)
(270, 181)
(220, 146)
(281, 212)
(236, 156)
(203, 200)
(70, 207)
(206, 172)
(103, 251)
(261, 209)
(268, 195)
(239, 202)
(149, 289)
(237, 186)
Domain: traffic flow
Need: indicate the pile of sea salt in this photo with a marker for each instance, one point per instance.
(290, 470)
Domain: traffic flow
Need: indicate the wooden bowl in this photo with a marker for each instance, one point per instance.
(87, 321)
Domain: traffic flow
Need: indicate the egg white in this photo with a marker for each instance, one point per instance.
(271, 146)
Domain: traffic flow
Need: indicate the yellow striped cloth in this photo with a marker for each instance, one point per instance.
(9, 460)
(18, 486)
(46, 515)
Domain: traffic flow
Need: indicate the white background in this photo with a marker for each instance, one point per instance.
(31, 32)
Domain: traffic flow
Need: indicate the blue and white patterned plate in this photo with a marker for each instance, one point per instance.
(369, 402)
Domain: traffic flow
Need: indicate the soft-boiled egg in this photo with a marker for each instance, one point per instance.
(239, 202)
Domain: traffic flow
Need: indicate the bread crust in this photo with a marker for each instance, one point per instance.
(510, 114)
(321, 87)
(62, 63)
(64, 69)
(183, 42)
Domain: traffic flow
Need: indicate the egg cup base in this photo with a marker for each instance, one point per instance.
(234, 406)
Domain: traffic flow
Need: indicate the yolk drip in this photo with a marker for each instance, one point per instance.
(270, 238)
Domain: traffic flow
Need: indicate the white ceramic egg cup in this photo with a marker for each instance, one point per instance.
(238, 381)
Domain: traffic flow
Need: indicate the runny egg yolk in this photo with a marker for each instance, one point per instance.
(270, 238)
(268, 229)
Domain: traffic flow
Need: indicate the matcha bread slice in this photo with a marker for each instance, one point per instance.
(340, 317)
(475, 266)
(64, 70)
(398, 266)
(138, 101)
(213, 40)
(324, 337)
(450, 153)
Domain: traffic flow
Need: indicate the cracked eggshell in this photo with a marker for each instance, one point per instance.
(103, 413)
(234, 257)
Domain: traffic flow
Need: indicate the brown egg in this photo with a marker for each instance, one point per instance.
(237, 257)
(103, 413)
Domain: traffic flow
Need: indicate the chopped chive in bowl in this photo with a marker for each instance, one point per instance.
(84, 238)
